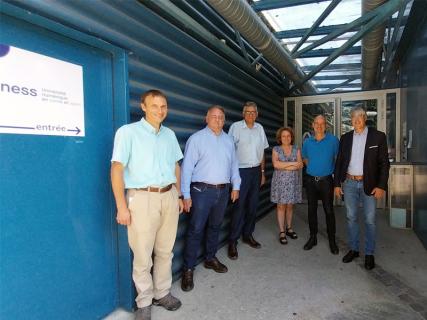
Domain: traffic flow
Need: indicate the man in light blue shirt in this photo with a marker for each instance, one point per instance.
(210, 165)
(145, 165)
(250, 140)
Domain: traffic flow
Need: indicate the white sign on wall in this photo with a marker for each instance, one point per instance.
(39, 94)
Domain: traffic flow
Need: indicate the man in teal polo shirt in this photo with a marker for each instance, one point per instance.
(319, 153)
(145, 164)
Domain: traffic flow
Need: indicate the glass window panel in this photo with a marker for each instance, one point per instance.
(370, 106)
(295, 17)
(345, 12)
(291, 113)
(391, 125)
(311, 110)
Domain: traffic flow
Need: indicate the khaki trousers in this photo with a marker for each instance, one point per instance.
(152, 232)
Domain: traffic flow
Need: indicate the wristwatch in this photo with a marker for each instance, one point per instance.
(181, 197)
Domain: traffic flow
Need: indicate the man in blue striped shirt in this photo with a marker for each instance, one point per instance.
(210, 165)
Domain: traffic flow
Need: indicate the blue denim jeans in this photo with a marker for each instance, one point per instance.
(244, 211)
(353, 196)
(207, 213)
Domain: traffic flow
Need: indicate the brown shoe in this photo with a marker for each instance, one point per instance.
(251, 242)
(215, 265)
(169, 302)
(187, 283)
(232, 251)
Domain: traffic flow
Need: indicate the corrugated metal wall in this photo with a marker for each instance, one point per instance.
(162, 56)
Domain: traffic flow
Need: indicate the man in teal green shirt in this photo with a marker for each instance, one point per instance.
(145, 177)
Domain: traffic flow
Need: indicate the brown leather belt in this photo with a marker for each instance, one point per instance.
(356, 178)
(155, 189)
(215, 186)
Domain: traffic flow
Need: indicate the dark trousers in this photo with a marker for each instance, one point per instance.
(244, 211)
(323, 190)
(207, 212)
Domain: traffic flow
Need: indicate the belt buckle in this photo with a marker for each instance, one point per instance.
(316, 179)
(151, 189)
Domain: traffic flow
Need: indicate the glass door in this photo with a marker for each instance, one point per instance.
(382, 108)
(370, 106)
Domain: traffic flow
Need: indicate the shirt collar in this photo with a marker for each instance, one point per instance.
(149, 127)
(313, 137)
(244, 125)
(364, 132)
(210, 131)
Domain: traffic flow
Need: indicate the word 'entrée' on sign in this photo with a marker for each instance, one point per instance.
(49, 127)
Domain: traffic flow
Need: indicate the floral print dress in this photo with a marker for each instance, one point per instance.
(286, 184)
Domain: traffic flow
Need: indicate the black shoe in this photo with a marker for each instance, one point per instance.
(350, 256)
(333, 246)
(251, 242)
(369, 262)
(232, 251)
(215, 265)
(312, 241)
(187, 283)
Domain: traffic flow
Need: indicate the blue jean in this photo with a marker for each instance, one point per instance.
(353, 196)
(244, 211)
(207, 212)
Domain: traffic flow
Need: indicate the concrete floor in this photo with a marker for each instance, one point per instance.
(286, 282)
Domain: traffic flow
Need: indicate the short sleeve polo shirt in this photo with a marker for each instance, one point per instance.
(320, 154)
(149, 157)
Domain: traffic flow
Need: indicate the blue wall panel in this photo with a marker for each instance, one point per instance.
(57, 232)
(164, 57)
(414, 80)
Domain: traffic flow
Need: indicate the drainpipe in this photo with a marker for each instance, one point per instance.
(245, 20)
(372, 45)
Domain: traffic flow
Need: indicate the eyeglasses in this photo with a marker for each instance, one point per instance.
(251, 112)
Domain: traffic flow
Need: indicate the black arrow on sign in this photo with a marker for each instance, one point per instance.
(77, 130)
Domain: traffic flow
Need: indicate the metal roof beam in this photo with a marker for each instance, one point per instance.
(241, 44)
(337, 77)
(348, 27)
(317, 23)
(345, 83)
(327, 52)
(193, 28)
(385, 11)
(296, 33)
(391, 50)
(342, 84)
(320, 31)
(277, 4)
(340, 66)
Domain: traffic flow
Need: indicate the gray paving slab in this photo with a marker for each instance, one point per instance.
(286, 282)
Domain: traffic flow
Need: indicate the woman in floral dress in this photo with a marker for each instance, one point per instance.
(286, 182)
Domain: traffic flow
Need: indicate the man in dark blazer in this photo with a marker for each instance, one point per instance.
(361, 176)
